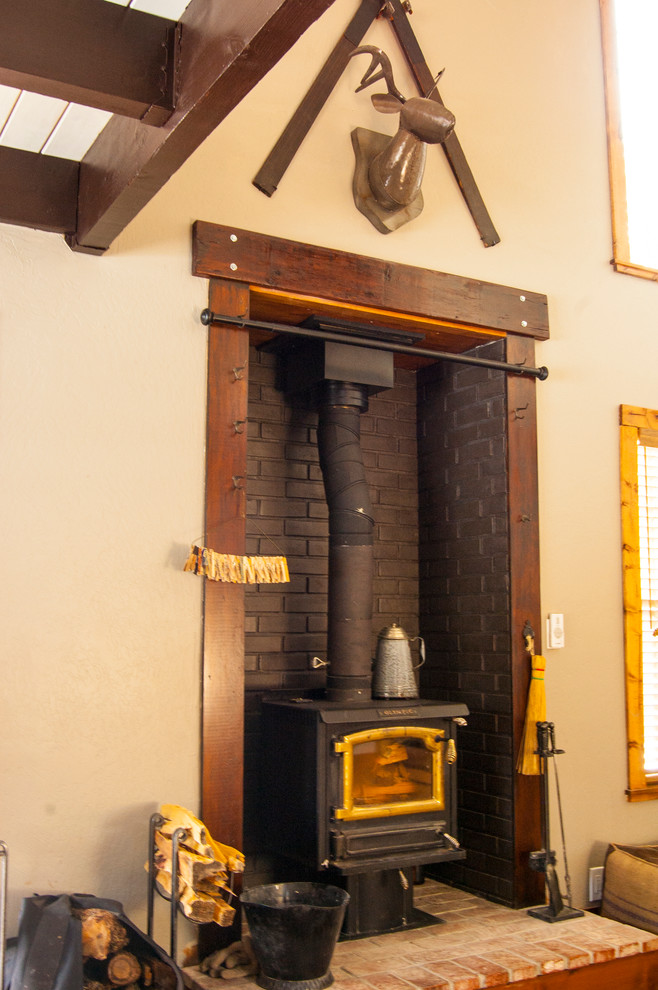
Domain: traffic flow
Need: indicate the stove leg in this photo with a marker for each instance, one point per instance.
(381, 901)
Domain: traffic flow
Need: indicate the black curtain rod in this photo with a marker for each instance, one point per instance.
(208, 317)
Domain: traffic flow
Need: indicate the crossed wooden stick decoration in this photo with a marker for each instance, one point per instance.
(384, 217)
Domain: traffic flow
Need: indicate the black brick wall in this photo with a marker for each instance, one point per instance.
(287, 513)
(435, 454)
(465, 604)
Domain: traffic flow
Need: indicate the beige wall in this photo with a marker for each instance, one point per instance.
(102, 395)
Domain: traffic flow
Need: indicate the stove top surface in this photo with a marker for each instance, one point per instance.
(374, 708)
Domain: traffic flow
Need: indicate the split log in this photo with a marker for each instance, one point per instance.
(102, 933)
(197, 905)
(218, 885)
(123, 969)
(204, 908)
(94, 985)
(192, 866)
(198, 838)
(204, 893)
(164, 977)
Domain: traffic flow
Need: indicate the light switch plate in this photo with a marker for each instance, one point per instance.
(555, 631)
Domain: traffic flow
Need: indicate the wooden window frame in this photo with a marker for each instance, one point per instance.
(621, 260)
(632, 420)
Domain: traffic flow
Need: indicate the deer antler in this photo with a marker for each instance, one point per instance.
(437, 77)
(379, 58)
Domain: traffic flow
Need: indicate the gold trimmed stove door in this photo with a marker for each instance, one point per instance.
(397, 770)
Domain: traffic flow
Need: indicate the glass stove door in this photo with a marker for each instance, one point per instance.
(392, 771)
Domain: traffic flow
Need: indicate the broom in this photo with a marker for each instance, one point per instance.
(528, 762)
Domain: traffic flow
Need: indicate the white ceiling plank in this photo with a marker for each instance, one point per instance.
(76, 131)
(27, 119)
(31, 121)
(8, 96)
(173, 9)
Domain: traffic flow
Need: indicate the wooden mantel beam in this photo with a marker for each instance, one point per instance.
(90, 52)
(224, 49)
(275, 263)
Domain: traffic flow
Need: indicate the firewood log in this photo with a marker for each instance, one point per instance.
(198, 837)
(197, 905)
(94, 985)
(217, 886)
(203, 867)
(204, 908)
(164, 977)
(224, 914)
(123, 969)
(102, 932)
(196, 832)
(163, 881)
(192, 866)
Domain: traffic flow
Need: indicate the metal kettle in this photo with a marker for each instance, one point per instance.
(393, 675)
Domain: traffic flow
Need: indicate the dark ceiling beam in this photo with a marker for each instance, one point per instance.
(90, 52)
(225, 48)
(38, 190)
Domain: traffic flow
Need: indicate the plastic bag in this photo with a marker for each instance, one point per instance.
(47, 954)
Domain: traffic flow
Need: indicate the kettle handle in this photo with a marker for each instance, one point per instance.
(421, 650)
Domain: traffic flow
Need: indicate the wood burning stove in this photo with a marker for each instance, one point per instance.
(358, 793)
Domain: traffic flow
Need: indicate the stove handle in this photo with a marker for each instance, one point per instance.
(450, 840)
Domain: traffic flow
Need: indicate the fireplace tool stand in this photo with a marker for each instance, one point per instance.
(177, 839)
(543, 860)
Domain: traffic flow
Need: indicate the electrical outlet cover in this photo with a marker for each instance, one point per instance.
(555, 630)
(596, 878)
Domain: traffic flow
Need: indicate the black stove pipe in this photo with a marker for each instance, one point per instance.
(351, 526)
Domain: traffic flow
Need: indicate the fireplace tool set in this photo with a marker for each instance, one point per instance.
(543, 860)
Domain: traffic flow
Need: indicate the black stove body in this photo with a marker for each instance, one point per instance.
(360, 795)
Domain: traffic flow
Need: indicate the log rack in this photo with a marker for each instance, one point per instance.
(155, 822)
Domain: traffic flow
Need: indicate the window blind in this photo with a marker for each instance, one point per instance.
(648, 532)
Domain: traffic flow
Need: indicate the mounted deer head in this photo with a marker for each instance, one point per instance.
(389, 170)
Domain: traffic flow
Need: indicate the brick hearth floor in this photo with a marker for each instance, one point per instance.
(479, 945)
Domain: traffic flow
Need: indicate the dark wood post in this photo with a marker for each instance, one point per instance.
(223, 626)
(525, 602)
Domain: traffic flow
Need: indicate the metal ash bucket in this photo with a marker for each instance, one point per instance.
(294, 928)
